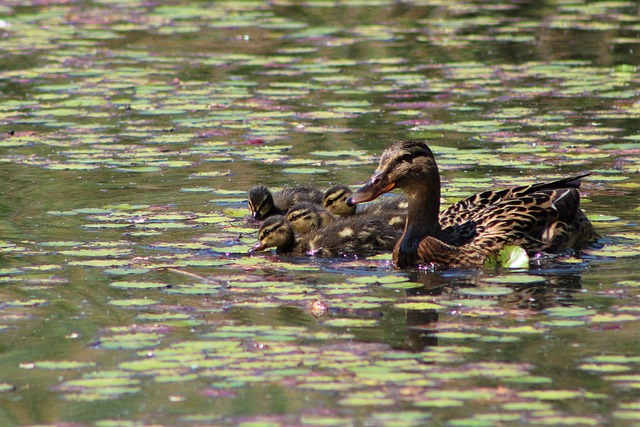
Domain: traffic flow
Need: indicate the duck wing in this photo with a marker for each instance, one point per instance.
(464, 210)
(548, 220)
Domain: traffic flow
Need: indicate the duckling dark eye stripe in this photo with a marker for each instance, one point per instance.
(336, 196)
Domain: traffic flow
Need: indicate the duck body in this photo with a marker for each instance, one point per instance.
(262, 203)
(346, 237)
(542, 217)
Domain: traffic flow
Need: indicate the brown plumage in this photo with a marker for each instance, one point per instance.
(543, 217)
(262, 203)
(392, 210)
(348, 236)
(306, 217)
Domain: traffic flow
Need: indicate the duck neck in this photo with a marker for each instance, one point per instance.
(422, 217)
(285, 248)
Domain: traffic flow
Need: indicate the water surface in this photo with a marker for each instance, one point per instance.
(132, 131)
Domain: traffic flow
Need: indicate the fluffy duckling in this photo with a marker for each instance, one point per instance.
(262, 203)
(349, 236)
(335, 201)
(305, 217)
(541, 217)
(392, 210)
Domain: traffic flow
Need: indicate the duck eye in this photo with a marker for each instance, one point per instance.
(407, 157)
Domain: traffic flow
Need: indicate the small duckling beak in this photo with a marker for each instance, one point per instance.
(259, 246)
(377, 185)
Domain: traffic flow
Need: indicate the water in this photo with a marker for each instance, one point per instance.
(133, 130)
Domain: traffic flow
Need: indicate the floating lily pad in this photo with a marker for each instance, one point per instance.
(485, 291)
(138, 285)
(418, 305)
(508, 257)
(63, 364)
(351, 323)
(133, 302)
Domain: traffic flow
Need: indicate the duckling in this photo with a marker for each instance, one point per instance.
(335, 201)
(262, 203)
(305, 217)
(349, 236)
(542, 217)
(392, 210)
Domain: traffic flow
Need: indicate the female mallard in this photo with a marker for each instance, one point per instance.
(305, 217)
(543, 217)
(348, 236)
(262, 203)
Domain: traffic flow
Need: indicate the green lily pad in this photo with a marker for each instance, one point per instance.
(351, 323)
(418, 305)
(133, 302)
(485, 291)
(508, 257)
(138, 285)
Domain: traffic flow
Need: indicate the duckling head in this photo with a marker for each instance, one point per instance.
(276, 232)
(260, 202)
(408, 165)
(304, 217)
(335, 200)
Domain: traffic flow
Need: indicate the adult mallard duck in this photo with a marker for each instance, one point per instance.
(306, 217)
(348, 236)
(262, 203)
(542, 217)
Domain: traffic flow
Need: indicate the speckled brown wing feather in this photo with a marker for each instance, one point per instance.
(547, 220)
(464, 210)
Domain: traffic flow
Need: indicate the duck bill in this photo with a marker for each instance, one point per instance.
(376, 187)
(259, 246)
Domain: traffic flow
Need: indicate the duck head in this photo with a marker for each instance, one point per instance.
(260, 202)
(408, 165)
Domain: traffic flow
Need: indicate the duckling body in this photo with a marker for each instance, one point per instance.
(542, 217)
(262, 203)
(349, 236)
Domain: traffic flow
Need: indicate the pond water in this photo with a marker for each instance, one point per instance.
(131, 131)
